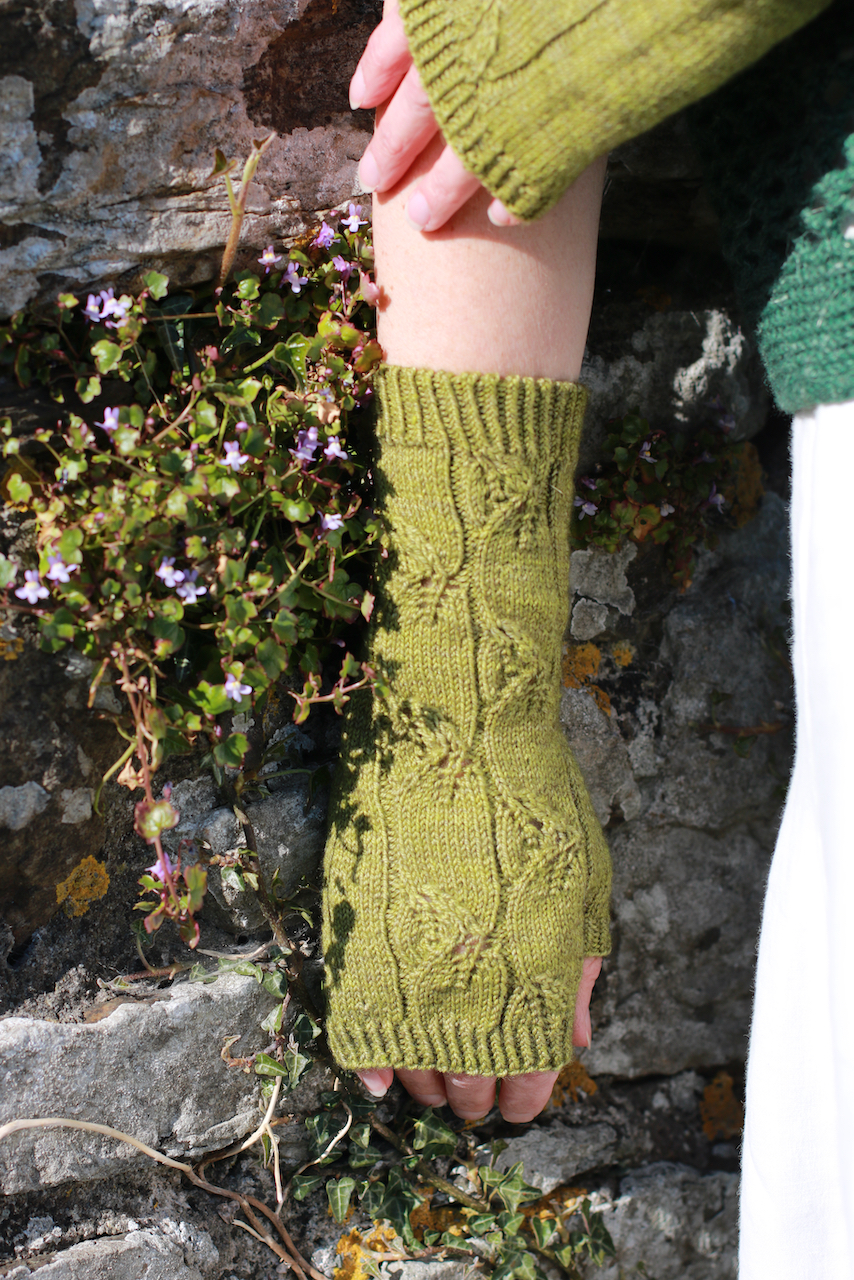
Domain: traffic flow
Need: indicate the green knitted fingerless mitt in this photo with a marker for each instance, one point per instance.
(466, 873)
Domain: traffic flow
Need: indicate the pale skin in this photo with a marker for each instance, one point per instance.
(466, 288)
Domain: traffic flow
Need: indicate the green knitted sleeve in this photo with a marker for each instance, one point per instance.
(529, 92)
(466, 873)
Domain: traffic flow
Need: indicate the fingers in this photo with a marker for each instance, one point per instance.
(426, 1087)
(445, 189)
(377, 1080)
(384, 63)
(470, 1097)
(406, 127)
(582, 1032)
(523, 1097)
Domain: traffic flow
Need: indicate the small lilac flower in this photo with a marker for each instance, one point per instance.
(726, 422)
(33, 590)
(92, 310)
(325, 236)
(715, 499)
(665, 509)
(588, 483)
(156, 868)
(111, 420)
(333, 449)
(241, 426)
(59, 571)
(342, 266)
(352, 222)
(168, 574)
(645, 453)
(189, 591)
(233, 457)
(587, 508)
(234, 689)
(330, 522)
(269, 258)
(112, 306)
(307, 445)
(293, 278)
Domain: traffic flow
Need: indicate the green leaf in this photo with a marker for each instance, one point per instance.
(273, 658)
(19, 491)
(211, 698)
(297, 511)
(247, 286)
(292, 355)
(232, 878)
(270, 310)
(88, 388)
(230, 753)
(303, 1184)
(8, 572)
(433, 1137)
(338, 1192)
(543, 1229)
(168, 636)
(267, 1066)
(107, 355)
(196, 880)
(156, 284)
(510, 1222)
(273, 1021)
(480, 1223)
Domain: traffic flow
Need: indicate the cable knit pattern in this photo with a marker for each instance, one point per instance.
(466, 873)
(529, 92)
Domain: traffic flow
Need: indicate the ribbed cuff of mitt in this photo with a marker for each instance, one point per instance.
(466, 873)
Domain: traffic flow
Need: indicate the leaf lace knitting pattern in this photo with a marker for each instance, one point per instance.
(466, 873)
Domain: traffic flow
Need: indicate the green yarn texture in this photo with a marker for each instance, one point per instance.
(466, 872)
(529, 92)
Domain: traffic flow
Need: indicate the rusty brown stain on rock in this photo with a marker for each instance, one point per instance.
(302, 78)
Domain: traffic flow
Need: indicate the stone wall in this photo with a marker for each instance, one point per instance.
(109, 117)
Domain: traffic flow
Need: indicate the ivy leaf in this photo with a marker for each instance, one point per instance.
(544, 1230)
(338, 1192)
(8, 572)
(433, 1137)
(107, 355)
(231, 752)
(156, 284)
(302, 1184)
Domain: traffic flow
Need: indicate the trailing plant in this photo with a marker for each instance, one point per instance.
(199, 508)
(666, 489)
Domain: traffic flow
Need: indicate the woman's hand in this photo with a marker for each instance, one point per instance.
(470, 1097)
(386, 75)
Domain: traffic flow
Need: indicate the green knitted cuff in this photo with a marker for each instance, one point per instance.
(466, 874)
(529, 92)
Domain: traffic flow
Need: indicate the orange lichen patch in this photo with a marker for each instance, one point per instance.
(580, 664)
(623, 653)
(11, 649)
(600, 697)
(745, 490)
(572, 1079)
(86, 883)
(355, 1250)
(443, 1218)
(721, 1112)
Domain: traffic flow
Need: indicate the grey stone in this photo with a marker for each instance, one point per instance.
(75, 805)
(552, 1156)
(676, 1223)
(602, 756)
(19, 805)
(109, 131)
(147, 1254)
(588, 619)
(290, 832)
(684, 369)
(150, 1070)
(601, 576)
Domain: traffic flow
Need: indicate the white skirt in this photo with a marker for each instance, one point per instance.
(797, 1196)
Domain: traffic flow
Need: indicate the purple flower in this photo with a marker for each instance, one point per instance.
(234, 689)
(715, 499)
(307, 445)
(325, 236)
(588, 483)
(666, 510)
(293, 278)
(156, 868)
(32, 591)
(269, 258)
(587, 508)
(188, 590)
(233, 457)
(342, 266)
(352, 222)
(645, 453)
(111, 420)
(333, 449)
(59, 571)
(241, 426)
(92, 310)
(113, 306)
(330, 522)
(170, 576)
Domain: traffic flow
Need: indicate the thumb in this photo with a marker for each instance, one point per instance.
(582, 1032)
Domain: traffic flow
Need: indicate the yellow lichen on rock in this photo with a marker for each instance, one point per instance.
(572, 1078)
(11, 649)
(580, 664)
(354, 1250)
(87, 882)
(623, 653)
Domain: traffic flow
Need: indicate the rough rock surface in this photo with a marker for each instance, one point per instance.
(137, 1070)
(147, 1253)
(111, 114)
